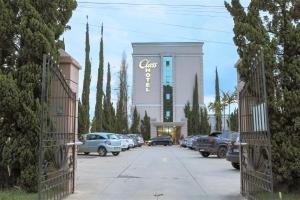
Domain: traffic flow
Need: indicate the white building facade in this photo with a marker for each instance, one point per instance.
(163, 82)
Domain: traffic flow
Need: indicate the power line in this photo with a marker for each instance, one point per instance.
(185, 26)
(188, 9)
(193, 27)
(150, 4)
(174, 12)
(148, 34)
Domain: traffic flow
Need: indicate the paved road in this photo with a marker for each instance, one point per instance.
(172, 173)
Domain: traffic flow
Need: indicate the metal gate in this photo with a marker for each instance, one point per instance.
(256, 165)
(57, 135)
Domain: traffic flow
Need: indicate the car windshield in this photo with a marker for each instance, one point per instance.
(112, 136)
(215, 134)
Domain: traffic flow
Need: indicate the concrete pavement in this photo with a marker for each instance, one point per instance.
(150, 173)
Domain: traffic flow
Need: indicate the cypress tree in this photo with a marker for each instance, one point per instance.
(108, 110)
(135, 121)
(234, 121)
(85, 104)
(204, 121)
(37, 31)
(277, 35)
(121, 114)
(195, 115)
(218, 109)
(98, 119)
(188, 113)
(145, 127)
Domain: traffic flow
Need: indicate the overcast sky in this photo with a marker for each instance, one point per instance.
(206, 21)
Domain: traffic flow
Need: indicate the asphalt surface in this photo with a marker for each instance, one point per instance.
(151, 173)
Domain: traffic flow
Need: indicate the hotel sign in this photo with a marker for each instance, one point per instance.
(147, 65)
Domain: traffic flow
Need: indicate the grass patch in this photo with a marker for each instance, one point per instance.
(278, 196)
(11, 194)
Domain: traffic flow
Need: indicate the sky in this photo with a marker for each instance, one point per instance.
(198, 20)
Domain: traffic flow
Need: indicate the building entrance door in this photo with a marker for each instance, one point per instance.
(173, 131)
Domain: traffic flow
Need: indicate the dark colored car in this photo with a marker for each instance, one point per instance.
(216, 143)
(160, 140)
(233, 153)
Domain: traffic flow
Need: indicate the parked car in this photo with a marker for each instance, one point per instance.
(195, 145)
(139, 139)
(233, 153)
(216, 143)
(189, 142)
(184, 141)
(102, 143)
(160, 140)
(124, 142)
(130, 141)
(134, 139)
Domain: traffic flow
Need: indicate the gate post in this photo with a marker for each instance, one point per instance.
(70, 69)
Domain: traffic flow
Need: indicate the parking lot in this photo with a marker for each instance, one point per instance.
(159, 172)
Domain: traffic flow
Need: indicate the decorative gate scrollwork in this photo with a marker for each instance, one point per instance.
(57, 136)
(256, 165)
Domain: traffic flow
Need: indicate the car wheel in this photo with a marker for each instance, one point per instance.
(102, 151)
(235, 165)
(222, 152)
(115, 153)
(205, 154)
(86, 153)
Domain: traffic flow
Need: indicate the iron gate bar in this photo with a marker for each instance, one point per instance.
(57, 135)
(255, 153)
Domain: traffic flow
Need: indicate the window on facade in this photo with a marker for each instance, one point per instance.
(168, 113)
(168, 96)
(168, 88)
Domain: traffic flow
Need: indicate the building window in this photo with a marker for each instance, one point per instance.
(168, 113)
(168, 96)
(168, 88)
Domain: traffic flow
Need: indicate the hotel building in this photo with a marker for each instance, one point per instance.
(163, 81)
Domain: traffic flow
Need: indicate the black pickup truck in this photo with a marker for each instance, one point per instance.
(216, 143)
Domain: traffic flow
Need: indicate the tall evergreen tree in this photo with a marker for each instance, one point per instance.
(218, 109)
(98, 119)
(188, 113)
(204, 121)
(277, 35)
(108, 109)
(121, 114)
(195, 115)
(233, 122)
(84, 108)
(145, 127)
(28, 31)
(135, 121)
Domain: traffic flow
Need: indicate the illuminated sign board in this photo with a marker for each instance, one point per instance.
(147, 65)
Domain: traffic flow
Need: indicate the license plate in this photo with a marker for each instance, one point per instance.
(202, 149)
(235, 150)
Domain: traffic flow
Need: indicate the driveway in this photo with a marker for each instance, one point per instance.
(150, 173)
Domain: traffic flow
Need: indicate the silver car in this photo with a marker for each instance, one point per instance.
(101, 143)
